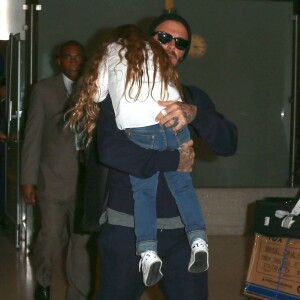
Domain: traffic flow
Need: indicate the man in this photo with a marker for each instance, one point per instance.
(120, 277)
(49, 177)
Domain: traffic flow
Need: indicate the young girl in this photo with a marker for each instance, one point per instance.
(136, 72)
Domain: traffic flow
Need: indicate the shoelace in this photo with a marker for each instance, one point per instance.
(145, 257)
(198, 243)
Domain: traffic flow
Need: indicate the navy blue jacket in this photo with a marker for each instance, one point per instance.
(124, 157)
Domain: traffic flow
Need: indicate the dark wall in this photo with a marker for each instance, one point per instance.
(246, 69)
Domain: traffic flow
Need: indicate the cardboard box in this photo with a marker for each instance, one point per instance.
(274, 270)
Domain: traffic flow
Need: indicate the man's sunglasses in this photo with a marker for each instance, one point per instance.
(166, 38)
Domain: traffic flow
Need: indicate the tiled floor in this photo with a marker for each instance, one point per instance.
(229, 258)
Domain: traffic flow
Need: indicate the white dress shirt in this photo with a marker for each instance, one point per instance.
(68, 84)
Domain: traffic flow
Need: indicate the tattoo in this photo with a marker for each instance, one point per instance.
(189, 111)
(186, 159)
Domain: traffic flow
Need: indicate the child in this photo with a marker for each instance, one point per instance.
(136, 72)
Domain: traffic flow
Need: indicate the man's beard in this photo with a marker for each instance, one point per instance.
(172, 54)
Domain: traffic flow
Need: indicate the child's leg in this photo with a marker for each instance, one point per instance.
(182, 189)
(144, 195)
(181, 186)
(186, 199)
(144, 189)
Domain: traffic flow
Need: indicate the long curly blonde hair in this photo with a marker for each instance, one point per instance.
(83, 115)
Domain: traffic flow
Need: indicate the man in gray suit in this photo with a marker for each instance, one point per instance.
(50, 170)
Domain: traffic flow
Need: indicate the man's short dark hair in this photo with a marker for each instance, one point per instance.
(71, 42)
(172, 17)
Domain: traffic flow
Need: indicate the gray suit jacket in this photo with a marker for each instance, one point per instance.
(49, 156)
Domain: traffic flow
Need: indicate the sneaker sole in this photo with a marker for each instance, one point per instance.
(200, 264)
(154, 274)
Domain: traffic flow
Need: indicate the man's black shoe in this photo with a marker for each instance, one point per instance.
(42, 293)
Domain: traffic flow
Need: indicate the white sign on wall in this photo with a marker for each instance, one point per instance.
(12, 18)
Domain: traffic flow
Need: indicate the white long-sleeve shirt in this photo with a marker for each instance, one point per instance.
(131, 113)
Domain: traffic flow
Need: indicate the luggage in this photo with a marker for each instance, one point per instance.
(277, 217)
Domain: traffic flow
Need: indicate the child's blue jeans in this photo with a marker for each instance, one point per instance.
(161, 138)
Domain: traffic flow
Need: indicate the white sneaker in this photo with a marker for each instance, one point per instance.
(151, 267)
(199, 257)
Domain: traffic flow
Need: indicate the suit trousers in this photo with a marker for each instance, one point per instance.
(119, 266)
(57, 231)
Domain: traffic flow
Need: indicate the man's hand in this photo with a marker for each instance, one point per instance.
(29, 194)
(176, 112)
(187, 157)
